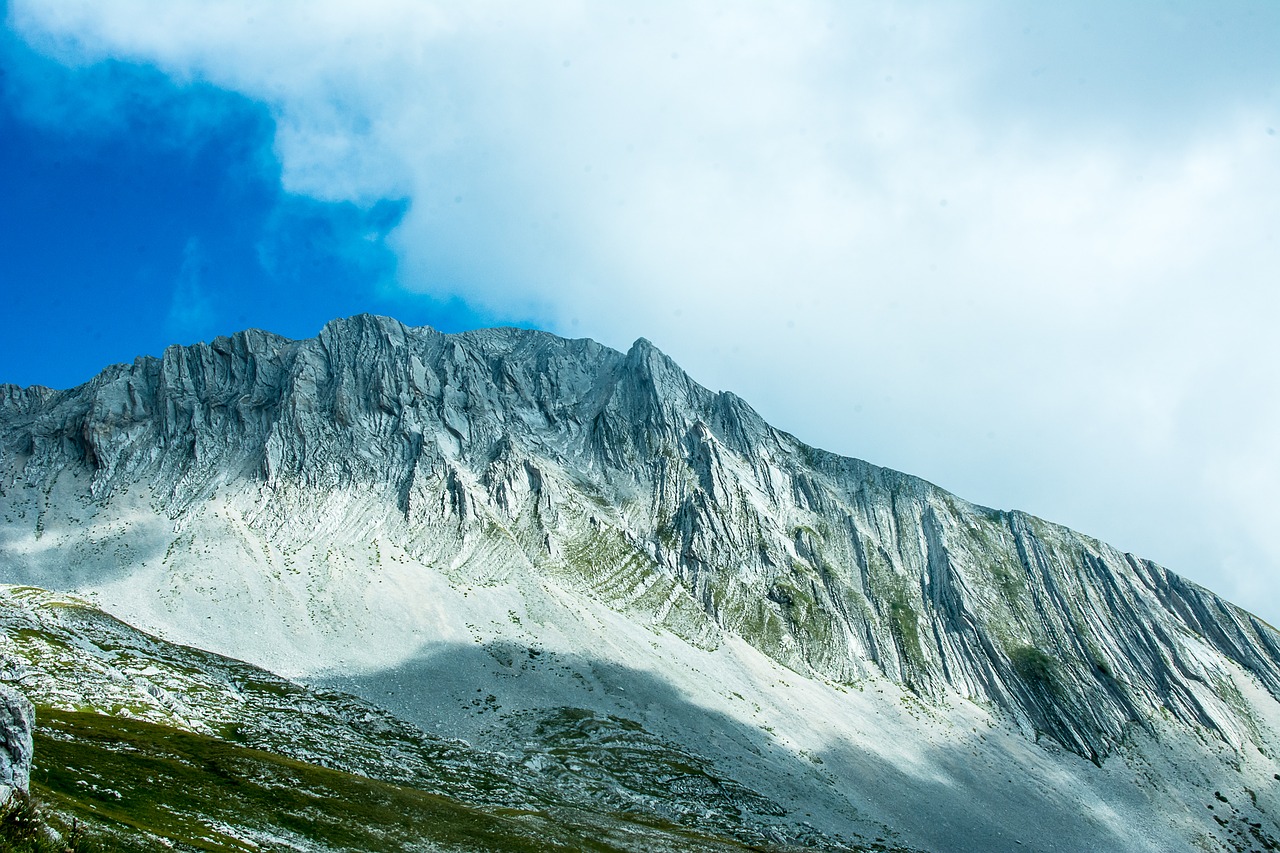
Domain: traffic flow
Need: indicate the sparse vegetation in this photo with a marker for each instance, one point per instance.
(25, 828)
(135, 783)
(1034, 666)
(1007, 582)
(905, 627)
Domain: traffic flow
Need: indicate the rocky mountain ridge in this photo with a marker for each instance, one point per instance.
(341, 506)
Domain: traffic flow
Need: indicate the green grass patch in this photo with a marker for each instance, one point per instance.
(905, 625)
(147, 785)
(1034, 666)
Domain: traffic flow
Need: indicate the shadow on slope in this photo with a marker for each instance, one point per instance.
(57, 538)
(599, 731)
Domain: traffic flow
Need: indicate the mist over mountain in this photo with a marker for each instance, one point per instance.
(584, 562)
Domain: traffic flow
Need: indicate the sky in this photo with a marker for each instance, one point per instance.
(1027, 251)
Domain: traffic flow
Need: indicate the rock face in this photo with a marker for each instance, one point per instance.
(274, 499)
(17, 719)
(825, 563)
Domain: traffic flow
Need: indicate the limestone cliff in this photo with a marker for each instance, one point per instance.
(615, 474)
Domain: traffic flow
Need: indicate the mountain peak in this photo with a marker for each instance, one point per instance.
(368, 321)
(345, 502)
(642, 345)
(643, 354)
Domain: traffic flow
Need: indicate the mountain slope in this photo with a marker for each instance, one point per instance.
(414, 515)
(233, 744)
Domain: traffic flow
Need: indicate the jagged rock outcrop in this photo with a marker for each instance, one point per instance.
(17, 719)
(614, 473)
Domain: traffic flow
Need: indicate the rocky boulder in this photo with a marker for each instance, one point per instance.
(17, 719)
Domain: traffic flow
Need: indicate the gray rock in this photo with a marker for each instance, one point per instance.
(831, 565)
(515, 466)
(17, 720)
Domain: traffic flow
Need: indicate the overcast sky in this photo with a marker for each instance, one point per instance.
(1028, 251)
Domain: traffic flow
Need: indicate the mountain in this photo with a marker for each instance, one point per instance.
(577, 557)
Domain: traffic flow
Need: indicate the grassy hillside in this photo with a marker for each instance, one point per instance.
(145, 785)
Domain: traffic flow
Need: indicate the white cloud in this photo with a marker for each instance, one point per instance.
(191, 306)
(867, 220)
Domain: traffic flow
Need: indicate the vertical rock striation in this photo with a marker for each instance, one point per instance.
(619, 476)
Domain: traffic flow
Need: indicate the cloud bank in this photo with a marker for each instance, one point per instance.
(1028, 254)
